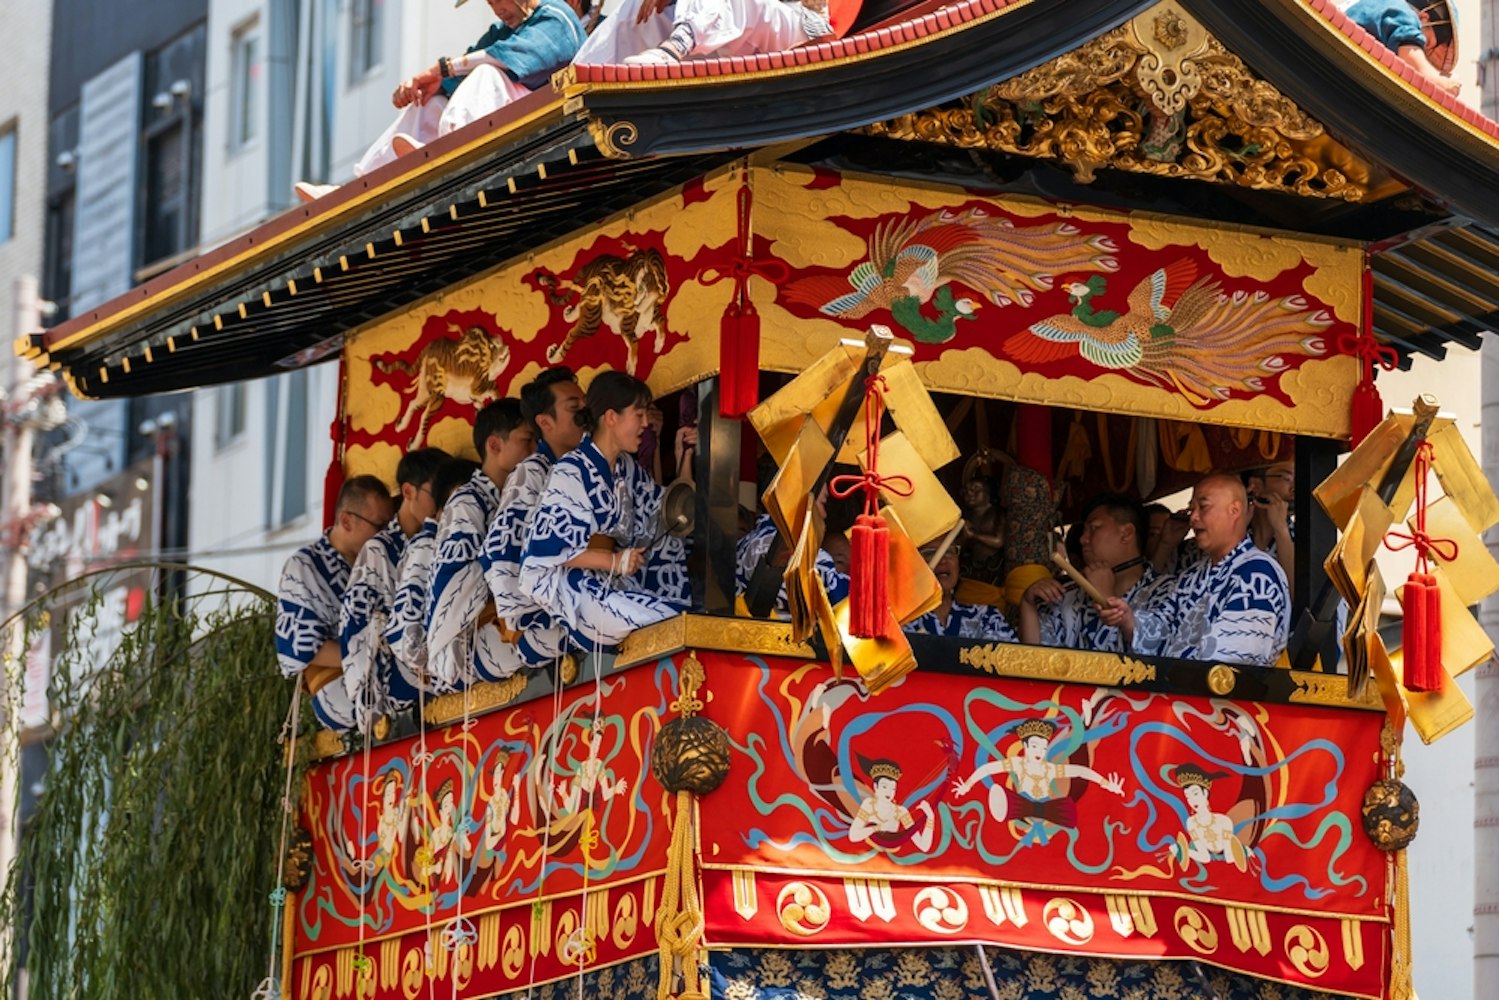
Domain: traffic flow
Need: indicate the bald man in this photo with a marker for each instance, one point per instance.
(1231, 606)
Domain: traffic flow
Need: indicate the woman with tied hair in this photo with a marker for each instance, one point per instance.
(594, 561)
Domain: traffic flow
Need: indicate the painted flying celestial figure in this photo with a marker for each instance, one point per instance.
(882, 820)
(1179, 332)
(1032, 792)
(1209, 835)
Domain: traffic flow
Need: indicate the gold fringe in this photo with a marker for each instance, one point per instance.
(679, 921)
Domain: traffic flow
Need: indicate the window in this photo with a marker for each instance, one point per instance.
(365, 18)
(244, 85)
(7, 182)
(286, 474)
(171, 148)
(229, 418)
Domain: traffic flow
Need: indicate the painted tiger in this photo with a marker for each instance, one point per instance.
(463, 370)
(627, 295)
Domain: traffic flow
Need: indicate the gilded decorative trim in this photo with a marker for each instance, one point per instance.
(751, 636)
(1158, 95)
(611, 139)
(1005, 659)
(1331, 690)
(1099, 892)
(482, 697)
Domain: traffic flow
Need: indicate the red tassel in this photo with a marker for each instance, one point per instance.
(1365, 411)
(739, 360)
(1422, 633)
(869, 576)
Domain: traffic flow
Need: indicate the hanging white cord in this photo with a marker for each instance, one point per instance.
(270, 987)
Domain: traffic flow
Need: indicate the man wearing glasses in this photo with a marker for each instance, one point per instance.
(371, 678)
(310, 595)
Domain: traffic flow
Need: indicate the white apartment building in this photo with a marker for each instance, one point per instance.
(25, 40)
(296, 91)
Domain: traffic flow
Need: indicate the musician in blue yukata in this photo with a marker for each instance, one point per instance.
(550, 403)
(955, 618)
(311, 591)
(1113, 560)
(370, 676)
(756, 542)
(596, 559)
(406, 628)
(1272, 491)
(1232, 606)
(462, 649)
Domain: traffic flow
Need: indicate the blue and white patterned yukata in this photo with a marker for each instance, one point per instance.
(307, 606)
(1073, 622)
(1235, 610)
(966, 621)
(541, 639)
(585, 497)
(369, 666)
(406, 628)
(458, 653)
(752, 548)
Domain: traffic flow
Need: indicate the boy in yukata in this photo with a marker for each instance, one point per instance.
(596, 559)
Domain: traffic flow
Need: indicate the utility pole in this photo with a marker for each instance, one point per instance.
(14, 515)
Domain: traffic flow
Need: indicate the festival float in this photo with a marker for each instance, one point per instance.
(1115, 243)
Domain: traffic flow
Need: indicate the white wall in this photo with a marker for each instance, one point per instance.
(25, 41)
(232, 526)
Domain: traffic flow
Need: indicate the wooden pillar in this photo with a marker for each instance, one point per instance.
(716, 530)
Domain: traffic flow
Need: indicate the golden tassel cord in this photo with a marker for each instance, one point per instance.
(679, 921)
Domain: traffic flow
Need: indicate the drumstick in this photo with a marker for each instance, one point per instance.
(1060, 558)
(946, 544)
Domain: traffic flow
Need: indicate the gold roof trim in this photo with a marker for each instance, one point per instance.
(1158, 95)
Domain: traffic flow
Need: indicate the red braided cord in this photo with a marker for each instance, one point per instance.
(870, 481)
(1424, 543)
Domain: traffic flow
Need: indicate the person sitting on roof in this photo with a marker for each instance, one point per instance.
(312, 585)
(1399, 27)
(370, 676)
(531, 40)
(659, 32)
(596, 560)
(406, 628)
(954, 618)
(1232, 606)
(1113, 561)
(550, 402)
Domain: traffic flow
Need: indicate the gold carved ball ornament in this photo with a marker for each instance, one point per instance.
(691, 754)
(1391, 814)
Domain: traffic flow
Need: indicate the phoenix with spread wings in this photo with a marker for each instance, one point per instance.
(1179, 331)
(915, 261)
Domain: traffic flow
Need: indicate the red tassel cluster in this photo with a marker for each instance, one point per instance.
(1421, 602)
(869, 541)
(1422, 636)
(1365, 412)
(869, 580)
(333, 480)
